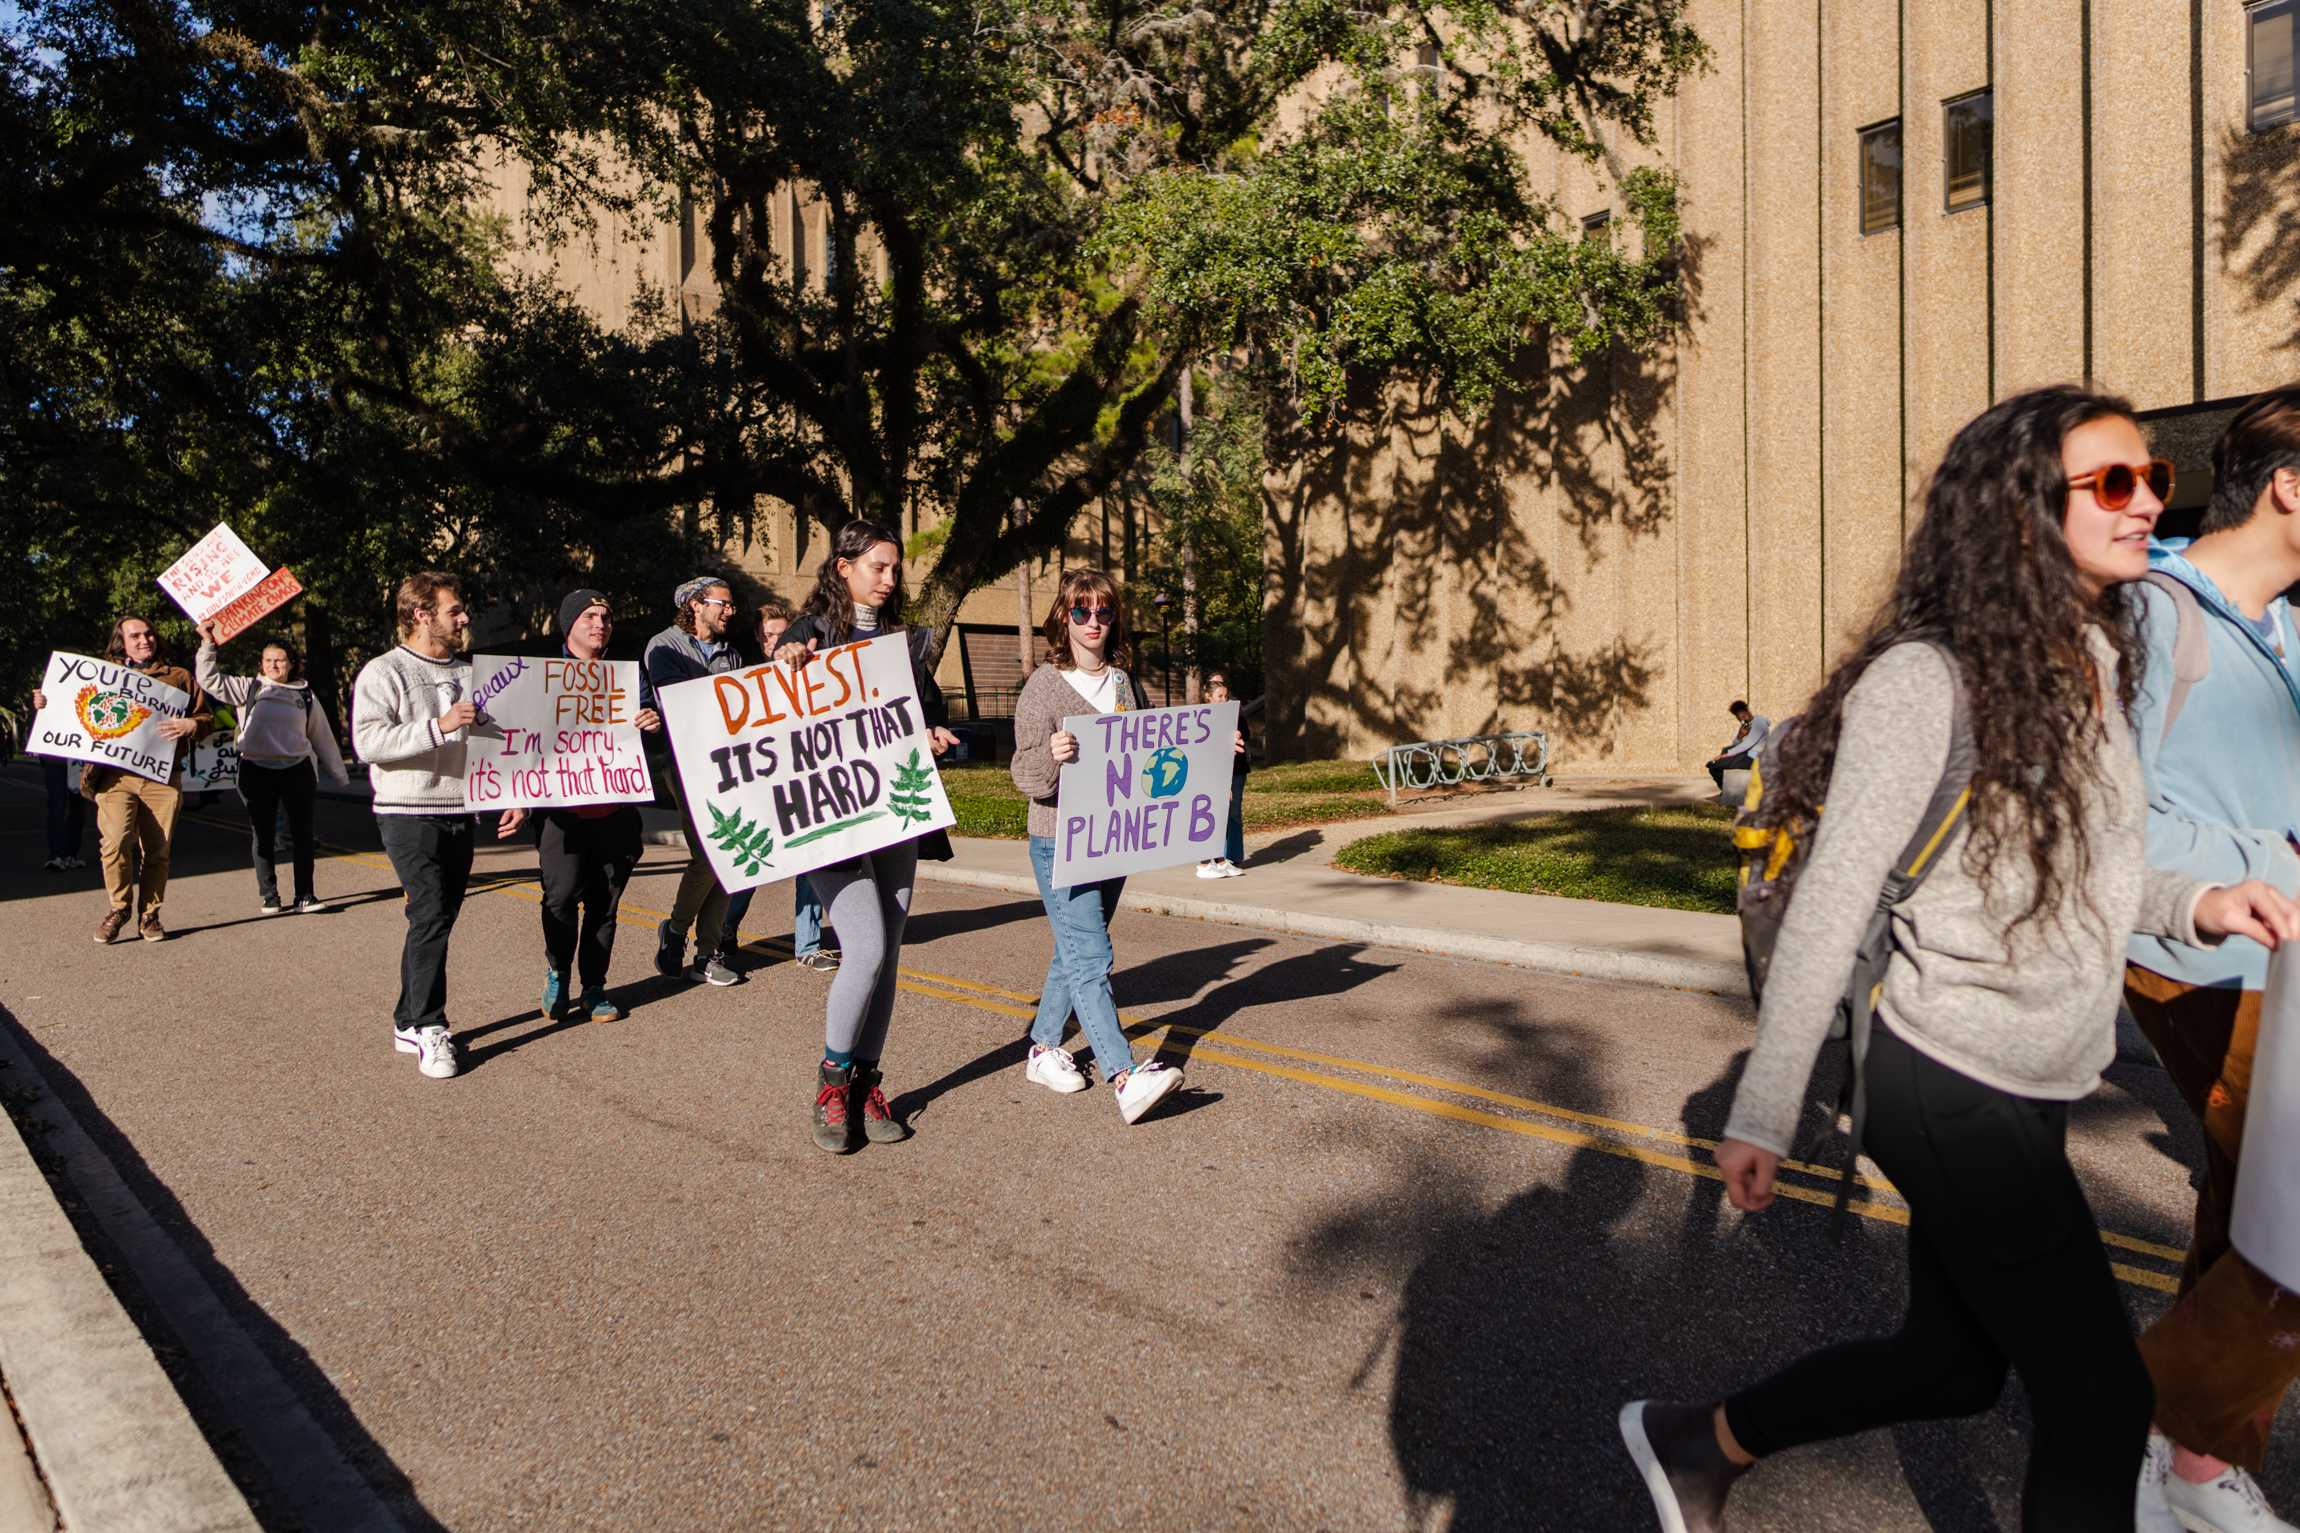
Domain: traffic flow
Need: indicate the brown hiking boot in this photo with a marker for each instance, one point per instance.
(151, 930)
(109, 927)
(833, 1132)
(880, 1126)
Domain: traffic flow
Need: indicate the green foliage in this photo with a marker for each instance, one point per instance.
(748, 843)
(908, 796)
(986, 803)
(1679, 858)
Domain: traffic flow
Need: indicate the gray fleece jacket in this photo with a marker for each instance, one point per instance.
(2036, 1016)
(280, 722)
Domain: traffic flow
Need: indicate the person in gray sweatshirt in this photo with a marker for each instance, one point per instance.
(285, 744)
(411, 716)
(1998, 1005)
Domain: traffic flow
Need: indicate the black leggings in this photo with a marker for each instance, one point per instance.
(266, 790)
(2006, 1270)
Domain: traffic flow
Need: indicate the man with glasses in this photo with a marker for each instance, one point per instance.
(696, 644)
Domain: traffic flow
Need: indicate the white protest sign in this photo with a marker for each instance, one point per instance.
(107, 714)
(789, 768)
(1148, 790)
(213, 573)
(2266, 1225)
(569, 736)
(214, 763)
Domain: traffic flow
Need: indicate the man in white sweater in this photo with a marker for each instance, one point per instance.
(411, 715)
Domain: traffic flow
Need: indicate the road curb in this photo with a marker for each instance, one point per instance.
(1705, 976)
(114, 1445)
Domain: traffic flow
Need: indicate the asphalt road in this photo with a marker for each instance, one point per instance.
(1411, 1233)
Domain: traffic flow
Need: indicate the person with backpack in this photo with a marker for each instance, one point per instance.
(285, 743)
(2004, 667)
(2223, 667)
(858, 595)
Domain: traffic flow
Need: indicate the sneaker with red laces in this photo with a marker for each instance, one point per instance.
(109, 927)
(832, 1129)
(879, 1124)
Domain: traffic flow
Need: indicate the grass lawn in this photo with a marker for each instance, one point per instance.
(1277, 797)
(1680, 857)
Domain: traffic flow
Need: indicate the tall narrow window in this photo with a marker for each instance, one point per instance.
(2272, 36)
(1966, 124)
(1881, 177)
(830, 250)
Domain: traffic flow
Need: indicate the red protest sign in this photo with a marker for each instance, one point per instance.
(273, 592)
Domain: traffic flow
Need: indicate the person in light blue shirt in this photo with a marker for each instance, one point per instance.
(1742, 748)
(2218, 723)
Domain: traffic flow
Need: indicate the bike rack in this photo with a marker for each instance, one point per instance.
(1474, 758)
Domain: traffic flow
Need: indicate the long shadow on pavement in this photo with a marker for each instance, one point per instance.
(200, 1377)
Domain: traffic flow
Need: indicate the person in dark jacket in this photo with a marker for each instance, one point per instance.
(696, 644)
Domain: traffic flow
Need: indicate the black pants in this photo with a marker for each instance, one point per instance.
(266, 790)
(1718, 769)
(2006, 1270)
(585, 863)
(431, 853)
(67, 808)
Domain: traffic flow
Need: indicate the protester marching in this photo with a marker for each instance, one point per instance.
(695, 645)
(286, 744)
(774, 619)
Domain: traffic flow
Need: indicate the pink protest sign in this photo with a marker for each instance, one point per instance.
(213, 572)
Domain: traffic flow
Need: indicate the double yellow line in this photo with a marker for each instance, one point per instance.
(1644, 1143)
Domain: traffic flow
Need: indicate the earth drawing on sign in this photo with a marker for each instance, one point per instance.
(1165, 773)
(108, 715)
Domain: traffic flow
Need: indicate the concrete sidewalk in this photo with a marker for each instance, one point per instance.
(1291, 885)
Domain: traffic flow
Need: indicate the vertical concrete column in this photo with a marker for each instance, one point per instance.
(1945, 255)
(2251, 286)
(2142, 238)
(2040, 146)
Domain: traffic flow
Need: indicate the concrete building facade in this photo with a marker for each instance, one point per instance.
(2086, 189)
(1897, 211)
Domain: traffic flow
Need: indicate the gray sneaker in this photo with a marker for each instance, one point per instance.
(712, 972)
(1684, 1470)
(822, 960)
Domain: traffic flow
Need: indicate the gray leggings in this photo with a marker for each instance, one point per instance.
(868, 900)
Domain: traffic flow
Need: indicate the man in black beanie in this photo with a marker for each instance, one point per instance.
(586, 853)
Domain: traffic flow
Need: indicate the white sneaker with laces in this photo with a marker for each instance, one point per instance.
(2233, 1503)
(1212, 869)
(433, 1047)
(1147, 1084)
(1054, 1069)
(1231, 869)
(2151, 1513)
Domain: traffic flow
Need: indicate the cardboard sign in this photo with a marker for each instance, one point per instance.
(790, 768)
(568, 734)
(2266, 1225)
(266, 597)
(1148, 790)
(214, 763)
(213, 573)
(109, 715)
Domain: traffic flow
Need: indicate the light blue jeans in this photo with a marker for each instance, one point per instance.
(1078, 977)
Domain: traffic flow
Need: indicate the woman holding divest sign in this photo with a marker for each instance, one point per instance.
(858, 595)
(1087, 645)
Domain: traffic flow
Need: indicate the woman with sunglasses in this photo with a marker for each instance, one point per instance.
(858, 595)
(1087, 648)
(1999, 1002)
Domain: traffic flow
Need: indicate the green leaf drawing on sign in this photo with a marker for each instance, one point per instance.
(908, 798)
(746, 843)
(821, 831)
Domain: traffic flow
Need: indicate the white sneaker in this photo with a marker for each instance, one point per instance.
(1147, 1084)
(2151, 1513)
(1212, 869)
(433, 1048)
(2232, 1503)
(1054, 1069)
(1231, 869)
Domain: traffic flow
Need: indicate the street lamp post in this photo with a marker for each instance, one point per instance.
(1163, 603)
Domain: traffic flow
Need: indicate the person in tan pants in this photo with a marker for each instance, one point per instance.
(136, 817)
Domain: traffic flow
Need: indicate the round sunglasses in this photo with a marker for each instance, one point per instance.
(2115, 485)
(1102, 615)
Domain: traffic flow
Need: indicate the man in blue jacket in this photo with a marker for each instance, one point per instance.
(2218, 721)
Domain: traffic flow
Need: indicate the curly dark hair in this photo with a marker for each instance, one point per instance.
(1989, 577)
(828, 603)
(1077, 588)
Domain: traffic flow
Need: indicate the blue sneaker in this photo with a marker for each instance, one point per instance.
(554, 992)
(597, 1007)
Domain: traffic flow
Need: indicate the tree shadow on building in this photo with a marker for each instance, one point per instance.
(1411, 541)
(2260, 224)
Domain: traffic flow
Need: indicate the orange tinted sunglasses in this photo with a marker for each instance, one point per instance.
(2115, 485)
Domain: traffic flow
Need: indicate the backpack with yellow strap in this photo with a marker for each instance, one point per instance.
(1772, 857)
